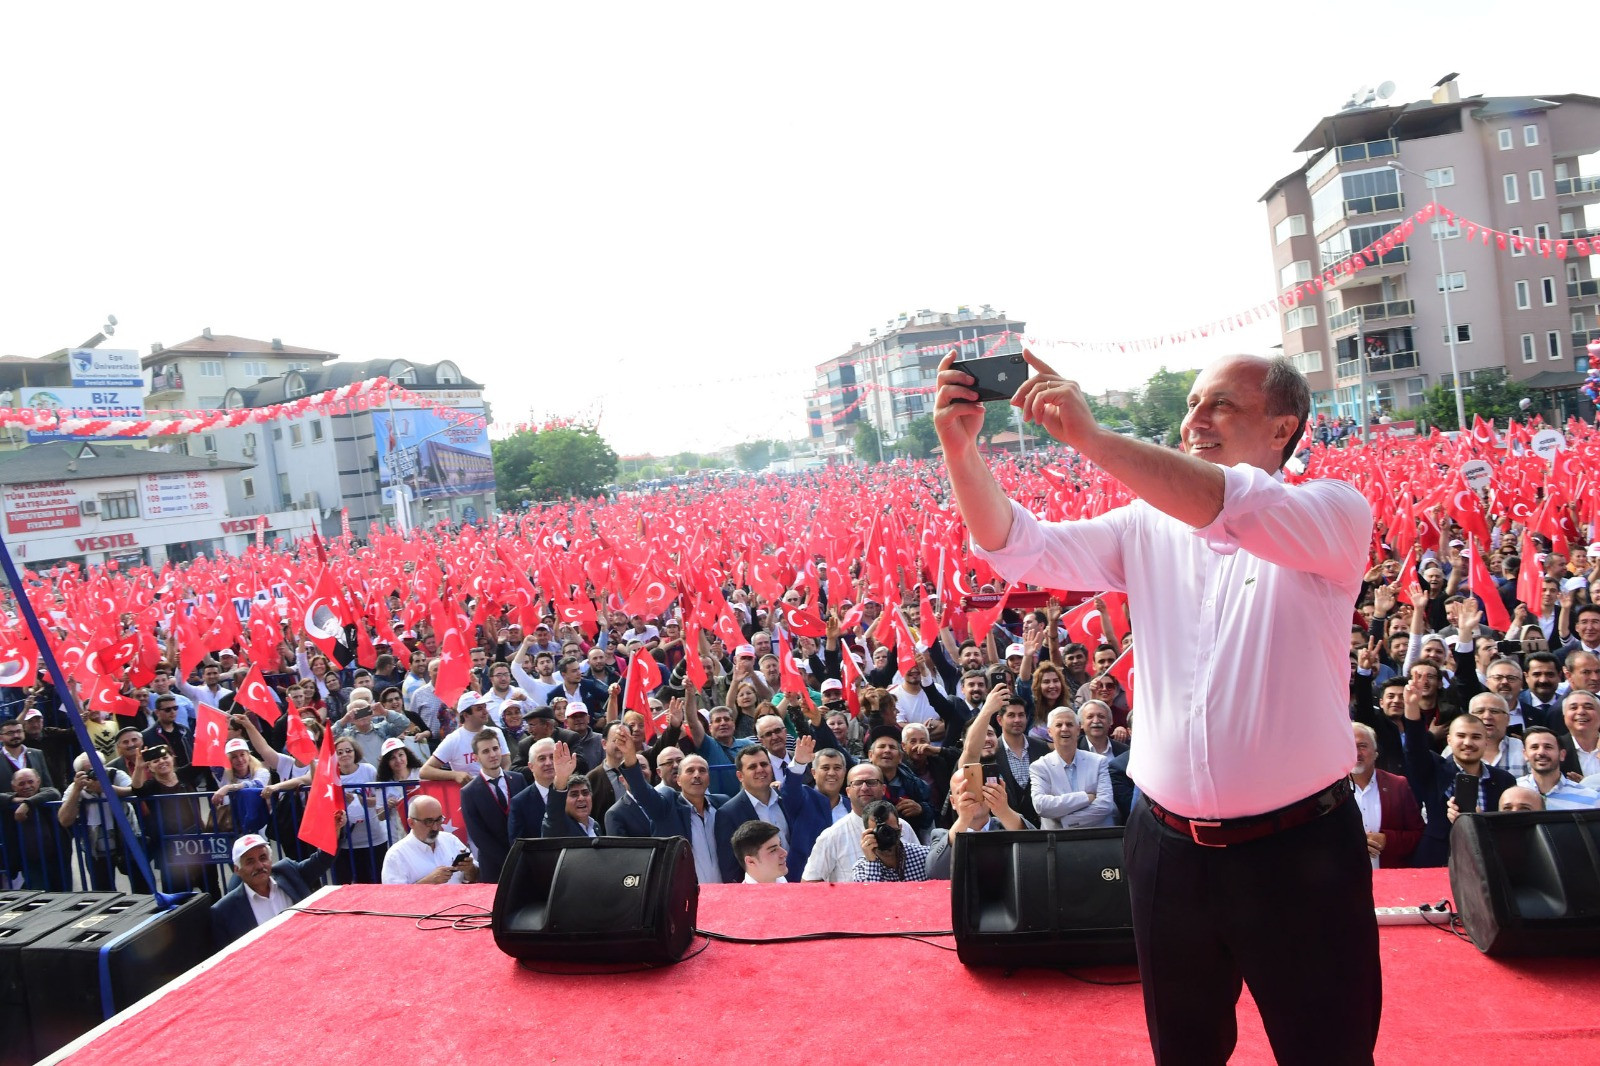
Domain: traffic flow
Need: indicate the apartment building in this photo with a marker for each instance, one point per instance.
(1525, 165)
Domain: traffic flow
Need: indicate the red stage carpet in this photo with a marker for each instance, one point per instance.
(354, 990)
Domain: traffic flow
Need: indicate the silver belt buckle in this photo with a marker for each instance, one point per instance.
(1194, 834)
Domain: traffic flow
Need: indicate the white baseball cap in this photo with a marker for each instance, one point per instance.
(392, 744)
(1016, 651)
(245, 843)
(574, 707)
(468, 700)
(745, 649)
(832, 684)
(236, 744)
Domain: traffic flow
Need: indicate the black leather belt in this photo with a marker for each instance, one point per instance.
(1229, 831)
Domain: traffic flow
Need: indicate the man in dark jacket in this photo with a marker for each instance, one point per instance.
(1433, 776)
(265, 888)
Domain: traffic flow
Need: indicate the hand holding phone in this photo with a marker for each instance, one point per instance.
(1466, 793)
(995, 378)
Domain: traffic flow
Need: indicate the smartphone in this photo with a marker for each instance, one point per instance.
(973, 781)
(996, 378)
(1466, 793)
(1509, 647)
(463, 857)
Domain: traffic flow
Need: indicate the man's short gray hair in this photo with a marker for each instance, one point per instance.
(1287, 392)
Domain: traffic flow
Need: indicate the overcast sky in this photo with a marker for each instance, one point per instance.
(677, 209)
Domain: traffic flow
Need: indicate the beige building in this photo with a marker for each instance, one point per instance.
(904, 354)
(1515, 164)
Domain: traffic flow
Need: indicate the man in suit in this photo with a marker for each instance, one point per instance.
(1016, 754)
(18, 756)
(1580, 745)
(1433, 776)
(909, 793)
(527, 806)
(1541, 700)
(1095, 717)
(265, 888)
(799, 811)
(603, 778)
(1071, 789)
(35, 847)
(537, 724)
(486, 806)
(1389, 811)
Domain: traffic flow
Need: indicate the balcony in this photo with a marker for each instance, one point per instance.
(1583, 338)
(168, 380)
(1394, 257)
(1583, 290)
(1387, 363)
(1382, 203)
(1349, 155)
(1379, 312)
(1579, 186)
(1579, 234)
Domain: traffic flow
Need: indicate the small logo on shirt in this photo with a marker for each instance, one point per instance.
(631, 881)
(1110, 873)
(1249, 581)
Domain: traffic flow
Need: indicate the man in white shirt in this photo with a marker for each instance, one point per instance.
(912, 706)
(1580, 710)
(1071, 788)
(428, 855)
(1543, 751)
(833, 857)
(1215, 550)
(453, 759)
(756, 846)
(210, 691)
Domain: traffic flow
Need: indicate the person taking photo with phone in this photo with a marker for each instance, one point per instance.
(428, 855)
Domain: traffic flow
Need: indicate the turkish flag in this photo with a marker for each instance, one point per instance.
(455, 667)
(643, 677)
(1530, 577)
(19, 658)
(1122, 670)
(321, 614)
(1408, 574)
(301, 747)
(1463, 506)
(649, 597)
(107, 696)
(852, 681)
(982, 623)
(255, 695)
(789, 678)
(210, 736)
(1084, 625)
(801, 621)
(318, 826)
(1483, 587)
(694, 668)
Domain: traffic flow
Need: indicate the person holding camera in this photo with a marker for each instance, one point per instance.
(428, 855)
(885, 855)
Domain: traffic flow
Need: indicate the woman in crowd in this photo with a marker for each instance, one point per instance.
(244, 773)
(361, 860)
(396, 763)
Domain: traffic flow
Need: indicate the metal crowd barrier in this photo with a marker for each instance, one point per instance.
(190, 840)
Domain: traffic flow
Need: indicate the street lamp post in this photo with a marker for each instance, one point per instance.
(1444, 287)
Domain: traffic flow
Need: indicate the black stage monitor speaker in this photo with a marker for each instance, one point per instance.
(597, 900)
(1048, 898)
(108, 959)
(1528, 883)
(25, 917)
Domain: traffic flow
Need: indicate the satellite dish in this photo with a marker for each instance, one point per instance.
(1385, 91)
(111, 319)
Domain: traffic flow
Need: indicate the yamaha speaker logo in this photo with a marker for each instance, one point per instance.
(631, 881)
(1110, 873)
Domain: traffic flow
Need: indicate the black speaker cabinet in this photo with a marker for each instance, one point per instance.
(24, 918)
(1528, 883)
(1048, 898)
(83, 972)
(597, 900)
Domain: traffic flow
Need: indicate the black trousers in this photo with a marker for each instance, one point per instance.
(1290, 914)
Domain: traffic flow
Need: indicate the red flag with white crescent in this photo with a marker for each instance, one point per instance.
(319, 826)
(255, 695)
(210, 736)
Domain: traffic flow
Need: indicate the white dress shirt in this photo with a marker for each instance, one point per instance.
(267, 907)
(1238, 713)
(1060, 791)
(1370, 802)
(409, 860)
(837, 849)
(772, 813)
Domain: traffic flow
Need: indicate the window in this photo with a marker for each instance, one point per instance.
(1524, 301)
(208, 443)
(1414, 390)
(1458, 281)
(210, 368)
(316, 430)
(1579, 323)
(1505, 140)
(284, 496)
(297, 435)
(1438, 179)
(1573, 274)
(1542, 231)
(1293, 226)
(1530, 135)
(1536, 185)
(1463, 333)
(1517, 250)
(1299, 317)
(250, 442)
(1511, 188)
(277, 432)
(1294, 273)
(248, 487)
(1527, 348)
(1445, 231)
(1307, 362)
(1552, 343)
(1547, 291)
(115, 505)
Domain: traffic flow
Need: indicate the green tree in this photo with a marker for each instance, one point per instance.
(780, 450)
(551, 465)
(753, 455)
(1159, 410)
(1492, 394)
(920, 437)
(998, 418)
(868, 443)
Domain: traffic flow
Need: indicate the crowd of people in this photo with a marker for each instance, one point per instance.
(838, 755)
